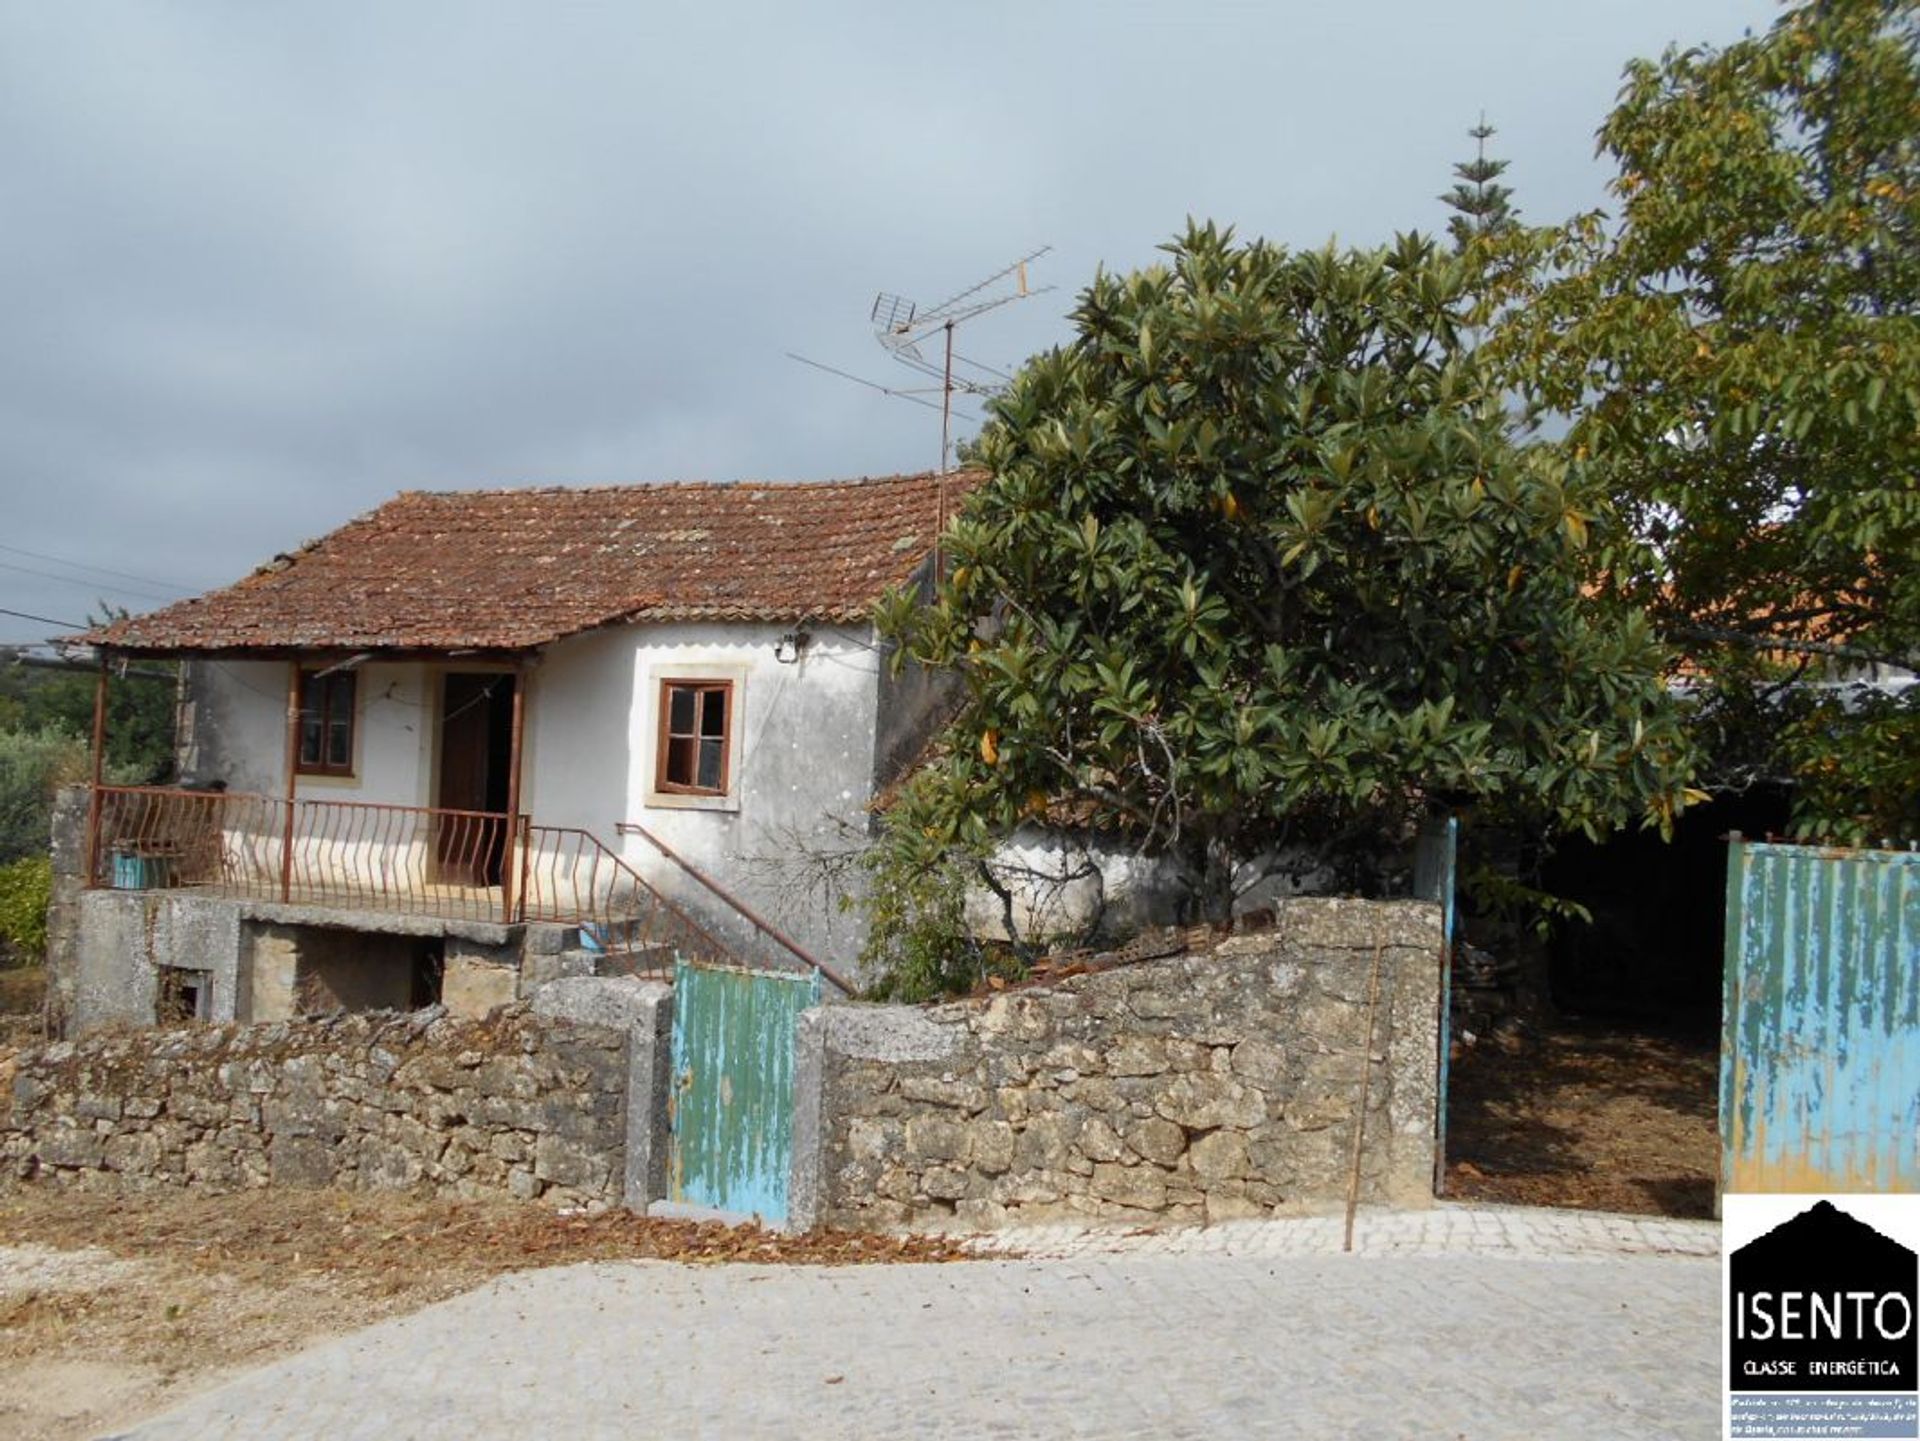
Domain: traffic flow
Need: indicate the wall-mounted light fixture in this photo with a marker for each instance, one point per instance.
(787, 649)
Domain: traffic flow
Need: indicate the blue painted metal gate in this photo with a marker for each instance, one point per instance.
(731, 1110)
(1435, 864)
(1820, 1044)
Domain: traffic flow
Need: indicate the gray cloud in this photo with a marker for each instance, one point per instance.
(263, 266)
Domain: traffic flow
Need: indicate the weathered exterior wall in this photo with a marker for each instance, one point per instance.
(122, 941)
(267, 962)
(522, 1105)
(236, 731)
(802, 779)
(912, 703)
(1200, 1088)
(1063, 881)
(311, 970)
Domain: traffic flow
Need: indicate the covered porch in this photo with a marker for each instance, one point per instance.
(332, 835)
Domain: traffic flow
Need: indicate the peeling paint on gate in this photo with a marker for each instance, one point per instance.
(1820, 1047)
(731, 1106)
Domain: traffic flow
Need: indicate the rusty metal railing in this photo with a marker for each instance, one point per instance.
(571, 877)
(357, 855)
(352, 854)
(740, 908)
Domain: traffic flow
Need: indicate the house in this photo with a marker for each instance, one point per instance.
(472, 738)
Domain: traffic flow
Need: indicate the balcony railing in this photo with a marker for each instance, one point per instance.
(449, 864)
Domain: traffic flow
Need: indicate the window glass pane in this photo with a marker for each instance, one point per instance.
(309, 739)
(339, 744)
(680, 762)
(711, 755)
(340, 700)
(680, 711)
(713, 713)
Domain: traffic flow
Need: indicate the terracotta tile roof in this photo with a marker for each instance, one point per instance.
(513, 569)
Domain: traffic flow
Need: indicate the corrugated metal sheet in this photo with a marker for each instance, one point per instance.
(732, 1105)
(1820, 1047)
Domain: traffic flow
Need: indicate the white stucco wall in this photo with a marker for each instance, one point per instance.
(801, 775)
(239, 733)
(802, 778)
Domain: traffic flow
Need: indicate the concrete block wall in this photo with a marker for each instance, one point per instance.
(1200, 1088)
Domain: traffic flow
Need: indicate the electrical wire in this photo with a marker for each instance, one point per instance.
(99, 569)
(44, 619)
(92, 585)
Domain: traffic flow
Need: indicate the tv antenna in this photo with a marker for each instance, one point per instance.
(902, 327)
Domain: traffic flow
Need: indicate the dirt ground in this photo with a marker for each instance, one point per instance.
(22, 989)
(1589, 1116)
(114, 1307)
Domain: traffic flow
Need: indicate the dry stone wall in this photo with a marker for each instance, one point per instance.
(1201, 1088)
(518, 1105)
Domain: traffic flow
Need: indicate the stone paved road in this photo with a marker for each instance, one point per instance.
(1194, 1341)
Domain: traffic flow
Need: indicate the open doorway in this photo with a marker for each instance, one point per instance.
(476, 760)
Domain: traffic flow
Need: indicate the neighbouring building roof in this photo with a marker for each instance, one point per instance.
(514, 569)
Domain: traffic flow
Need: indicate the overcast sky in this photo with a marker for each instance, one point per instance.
(265, 265)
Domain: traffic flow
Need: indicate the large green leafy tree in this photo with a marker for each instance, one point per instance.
(1737, 351)
(1259, 562)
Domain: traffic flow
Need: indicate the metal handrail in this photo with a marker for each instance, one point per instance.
(633, 828)
(572, 876)
(358, 854)
(420, 860)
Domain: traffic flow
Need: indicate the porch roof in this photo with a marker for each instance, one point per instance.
(511, 570)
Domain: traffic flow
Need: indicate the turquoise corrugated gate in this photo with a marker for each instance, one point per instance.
(1820, 1043)
(732, 1104)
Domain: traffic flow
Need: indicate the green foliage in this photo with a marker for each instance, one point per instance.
(140, 712)
(32, 765)
(1853, 757)
(1738, 355)
(1482, 206)
(918, 875)
(26, 886)
(1494, 894)
(1260, 562)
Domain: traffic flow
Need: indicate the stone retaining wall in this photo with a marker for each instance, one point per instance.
(520, 1105)
(1199, 1088)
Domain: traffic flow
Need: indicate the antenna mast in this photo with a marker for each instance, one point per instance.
(901, 326)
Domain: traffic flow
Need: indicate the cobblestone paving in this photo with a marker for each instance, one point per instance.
(1456, 1325)
(1446, 1230)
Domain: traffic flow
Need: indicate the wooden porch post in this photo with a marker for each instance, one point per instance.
(512, 901)
(293, 771)
(94, 799)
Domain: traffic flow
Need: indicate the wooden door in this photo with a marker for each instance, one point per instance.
(476, 719)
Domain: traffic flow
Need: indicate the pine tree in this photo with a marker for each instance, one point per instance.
(1483, 205)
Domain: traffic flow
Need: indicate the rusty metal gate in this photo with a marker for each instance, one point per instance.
(731, 1108)
(1820, 1043)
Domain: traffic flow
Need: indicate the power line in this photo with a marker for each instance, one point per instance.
(92, 585)
(98, 569)
(44, 619)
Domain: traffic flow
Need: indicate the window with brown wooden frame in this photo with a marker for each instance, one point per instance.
(696, 724)
(326, 723)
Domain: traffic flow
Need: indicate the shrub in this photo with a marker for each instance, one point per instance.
(25, 888)
(32, 765)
